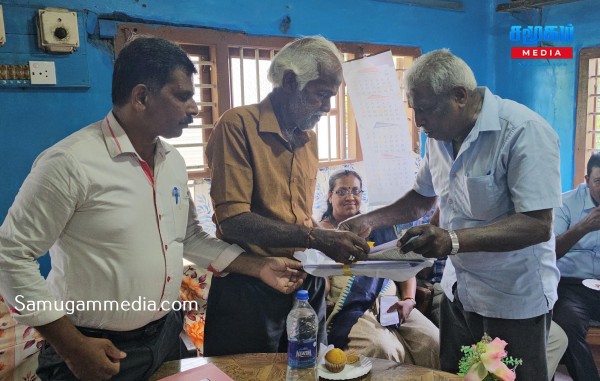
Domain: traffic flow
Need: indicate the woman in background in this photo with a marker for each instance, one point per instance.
(354, 323)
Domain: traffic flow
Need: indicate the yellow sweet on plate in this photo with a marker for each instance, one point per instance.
(335, 360)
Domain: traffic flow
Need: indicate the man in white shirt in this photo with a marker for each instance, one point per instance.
(110, 202)
(494, 164)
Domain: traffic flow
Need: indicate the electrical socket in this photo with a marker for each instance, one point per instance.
(42, 72)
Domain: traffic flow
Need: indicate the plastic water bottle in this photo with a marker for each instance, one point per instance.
(302, 327)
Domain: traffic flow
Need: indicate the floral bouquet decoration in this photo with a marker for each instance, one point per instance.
(487, 361)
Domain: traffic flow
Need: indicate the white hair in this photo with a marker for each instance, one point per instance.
(441, 70)
(308, 57)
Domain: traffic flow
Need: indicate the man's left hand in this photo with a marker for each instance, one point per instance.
(283, 274)
(427, 240)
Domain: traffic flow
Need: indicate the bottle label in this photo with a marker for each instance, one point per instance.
(302, 353)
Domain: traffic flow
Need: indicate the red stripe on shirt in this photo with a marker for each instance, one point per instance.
(113, 136)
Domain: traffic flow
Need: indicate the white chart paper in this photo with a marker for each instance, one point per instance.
(376, 98)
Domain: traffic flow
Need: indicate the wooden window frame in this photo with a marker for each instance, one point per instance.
(581, 127)
(220, 42)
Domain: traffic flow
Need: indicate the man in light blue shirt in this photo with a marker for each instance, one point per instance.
(494, 164)
(577, 229)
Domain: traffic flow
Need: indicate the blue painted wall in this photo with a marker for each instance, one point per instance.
(33, 119)
(547, 86)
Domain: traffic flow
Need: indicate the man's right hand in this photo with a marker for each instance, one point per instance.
(283, 274)
(90, 359)
(95, 359)
(591, 222)
(341, 246)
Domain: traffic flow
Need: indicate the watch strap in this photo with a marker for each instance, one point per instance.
(454, 239)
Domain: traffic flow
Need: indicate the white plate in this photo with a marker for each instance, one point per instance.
(358, 369)
(594, 284)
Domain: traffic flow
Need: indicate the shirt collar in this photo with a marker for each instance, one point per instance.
(266, 117)
(588, 203)
(488, 116)
(487, 120)
(117, 141)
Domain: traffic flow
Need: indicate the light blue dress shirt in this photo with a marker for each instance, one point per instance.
(583, 260)
(509, 163)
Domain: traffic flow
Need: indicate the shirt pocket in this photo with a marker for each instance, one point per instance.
(180, 209)
(485, 198)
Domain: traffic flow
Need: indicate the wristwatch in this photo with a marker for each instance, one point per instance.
(454, 239)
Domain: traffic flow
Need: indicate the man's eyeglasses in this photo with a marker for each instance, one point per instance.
(346, 191)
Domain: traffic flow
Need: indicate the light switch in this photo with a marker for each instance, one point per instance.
(57, 30)
(42, 72)
(2, 31)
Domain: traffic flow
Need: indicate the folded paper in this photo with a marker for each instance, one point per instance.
(318, 264)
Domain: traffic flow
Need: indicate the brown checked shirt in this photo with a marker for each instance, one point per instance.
(255, 169)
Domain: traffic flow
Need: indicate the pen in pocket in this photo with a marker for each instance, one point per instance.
(176, 195)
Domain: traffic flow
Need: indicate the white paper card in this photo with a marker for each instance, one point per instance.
(388, 318)
(318, 264)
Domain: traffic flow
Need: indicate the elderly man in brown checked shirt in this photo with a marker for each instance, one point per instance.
(264, 164)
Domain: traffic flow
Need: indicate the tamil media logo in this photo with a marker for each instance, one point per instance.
(546, 38)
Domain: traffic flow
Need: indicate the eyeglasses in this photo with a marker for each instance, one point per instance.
(346, 191)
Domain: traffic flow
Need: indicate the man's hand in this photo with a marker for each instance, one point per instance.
(357, 224)
(89, 359)
(95, 359)
(404, 308)
(427, 240)
(341, 246)
(283, 274)
(592, 221)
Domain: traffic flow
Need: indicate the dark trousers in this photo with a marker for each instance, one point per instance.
(147, 348)
(526, 338)
(575, 307)
(244, 315)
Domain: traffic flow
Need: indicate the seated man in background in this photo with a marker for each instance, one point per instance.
(577, 225)
(354, 323)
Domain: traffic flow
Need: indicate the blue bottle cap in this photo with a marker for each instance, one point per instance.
(302, 295)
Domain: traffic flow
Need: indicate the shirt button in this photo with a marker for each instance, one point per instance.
(295, 205)
(168, 279)
(159, 217)
(293, 179)
(166, 247)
